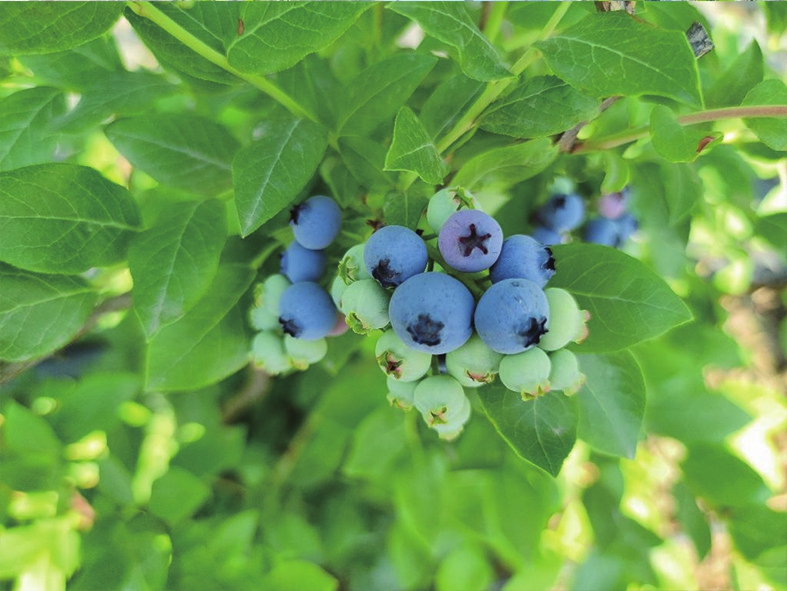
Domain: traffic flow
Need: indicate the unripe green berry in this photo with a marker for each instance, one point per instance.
(565, 319)
(401, 394)
(268, 293)
(399, 361)
(305, 353)
(445, 203)
(565, 374)
(439, 399)
(526, 373)
(366, 305)
(474, 363)
(268, 353)
(452, 430)
(338, 286)
(261, 318)
(351, 267)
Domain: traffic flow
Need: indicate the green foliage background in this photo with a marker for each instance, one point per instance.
(148, 156)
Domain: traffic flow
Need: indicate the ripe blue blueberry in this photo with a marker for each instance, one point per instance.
(432, 312)
(627, 225)
(470, 240)
(393, 254)
(302, 264)
(546, 236)
(306, 311)
(602, 231)
(523, 257)
(512, 315)
(562, 213)
(316, 222)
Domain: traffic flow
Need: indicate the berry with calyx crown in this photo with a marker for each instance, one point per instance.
(446, 202)
(316, 222)
(399, 361)
(526, 373)
(474, 363)
(365, 305)
(432, 312)
(401, 394)
(512, 316)
(393, 254)
(470, 240)
(352, 266)
(452, 429)
(440, 400)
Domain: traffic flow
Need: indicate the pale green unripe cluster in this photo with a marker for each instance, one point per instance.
(365, 305)
(526, 373)
(398, 361)
(474, 363)
(445, 203)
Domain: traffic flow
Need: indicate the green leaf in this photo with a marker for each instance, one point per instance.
(612, 53)
(299, 575)
(208, 343)
(544, 105)
(692, 519)
(40, 313)
(542, 431)
(183, 151)
(376, 442)
(772, 131)
(93, 404)
(174, 262)
(627, 301)
(757, 529)
(448, 103)
(611, 403)
(673, 141)
(173, 54)
(77, 68)
(270, 173)
(121, 93)
(450, 23)
(277, 36)
(365, 159)
(63, 218)
(506, 166)
(738, 78)
(25, 432)
(773, 228)
(412, 151)
(26, 135)
(176, 495)
(406, 209)
(315, 86)
(378, 92)
(722, 479)
(683, 189)
(46, 27)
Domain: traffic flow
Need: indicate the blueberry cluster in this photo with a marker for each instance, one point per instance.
(565, 212)
(457, 308)
(292, 311)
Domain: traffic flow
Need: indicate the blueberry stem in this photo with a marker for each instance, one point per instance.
(434, 255)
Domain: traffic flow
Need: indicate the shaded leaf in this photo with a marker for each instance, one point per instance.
(738, 78)
(503, 167)
(448, 103)
(450, 23)
(611, 403)
(46, 27)
(544, 105)
(675, 142)
(542, 431)
(176, 495)
(183, 151)
(413, 151)
(270, 173)
(63, 218)
(40, 313)
(174, 262)
(771, 131)
(365, 159)
(26, 134)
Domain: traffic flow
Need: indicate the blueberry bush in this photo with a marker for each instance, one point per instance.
(321, 296)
